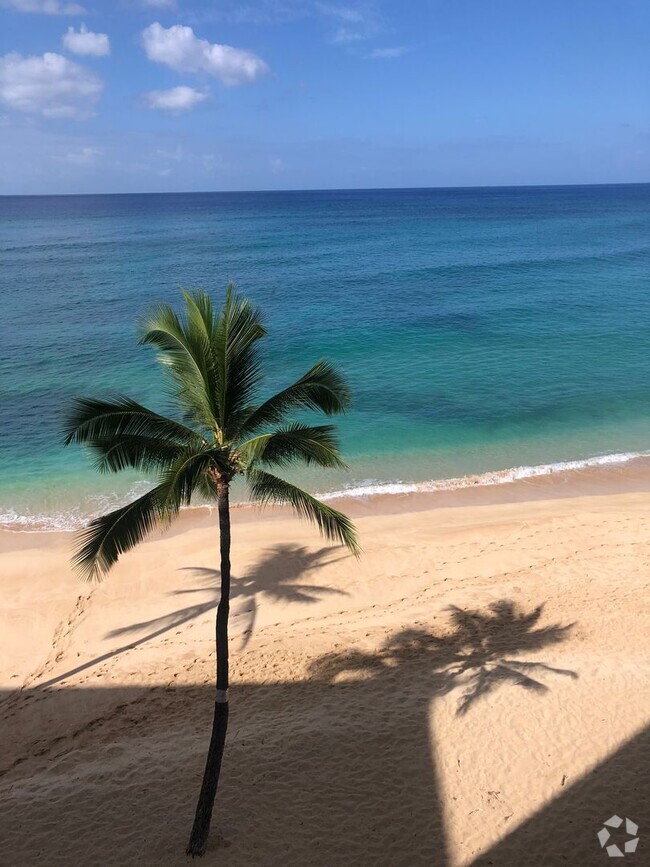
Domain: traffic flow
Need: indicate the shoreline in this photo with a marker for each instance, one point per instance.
(597, 476)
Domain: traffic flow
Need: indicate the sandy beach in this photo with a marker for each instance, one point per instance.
(473, 691)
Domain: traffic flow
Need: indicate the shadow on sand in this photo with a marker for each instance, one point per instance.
(476, 654)
(275, 578)
(336, 769)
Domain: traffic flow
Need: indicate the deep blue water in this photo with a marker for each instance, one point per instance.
(480, 328)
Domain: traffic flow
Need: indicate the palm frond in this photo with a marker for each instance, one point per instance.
(206, 488)
(91, 420)
(238, 330)
(200, 313)
(322, 388)
(101, 543)
(105, 538)
(186, 353)
(266, 488)
(134, 452)
(184, 476)
(312, 444)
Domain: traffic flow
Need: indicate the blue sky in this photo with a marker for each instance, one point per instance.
(164, 95)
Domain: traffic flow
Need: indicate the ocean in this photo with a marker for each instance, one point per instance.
(481, 330)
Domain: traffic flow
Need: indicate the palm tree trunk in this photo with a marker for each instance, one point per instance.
(201, 828)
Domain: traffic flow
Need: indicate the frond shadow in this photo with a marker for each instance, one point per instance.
(274, 577)
(478, 654)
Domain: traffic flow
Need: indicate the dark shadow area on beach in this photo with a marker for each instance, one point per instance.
(276, 577)
(337, 769)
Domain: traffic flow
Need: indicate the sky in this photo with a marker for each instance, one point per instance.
(184, 95)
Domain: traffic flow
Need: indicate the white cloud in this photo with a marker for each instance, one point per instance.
(86, 42)
(178, 48)
(45, 7)
(176, 100)
(50, 85)
(387, 53)
(160, 4)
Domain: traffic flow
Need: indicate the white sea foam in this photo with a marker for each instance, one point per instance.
(372, 487)
(73, 519)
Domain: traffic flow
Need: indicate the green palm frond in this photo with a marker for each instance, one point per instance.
(237, 359)
(101, 543)
(207, 489)
(91, 420)
(186, 354)
(183, 476)
(105, 538)
(200, 313)
(322, 388)
(266, 488)
(297, 442)
(134, 452)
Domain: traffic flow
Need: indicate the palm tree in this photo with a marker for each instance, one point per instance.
(213, 363)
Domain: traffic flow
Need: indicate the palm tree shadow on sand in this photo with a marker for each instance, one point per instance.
(276, 577)
(476, 655)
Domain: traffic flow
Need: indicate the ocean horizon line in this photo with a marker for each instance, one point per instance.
(311, 190)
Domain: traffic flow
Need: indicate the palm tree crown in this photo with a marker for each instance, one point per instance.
(212, 361)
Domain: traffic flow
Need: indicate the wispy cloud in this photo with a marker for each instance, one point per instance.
(176, 100)
(49, 85)
(348, 34)
(387, 53)
(355, 22)
(84, 41)
(179, 48)
(175, 155)
(348, 22)
(345, 13)
(44, 7)
(85, 156)
(253, 11)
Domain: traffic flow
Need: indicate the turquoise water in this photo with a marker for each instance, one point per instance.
(480, 329)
